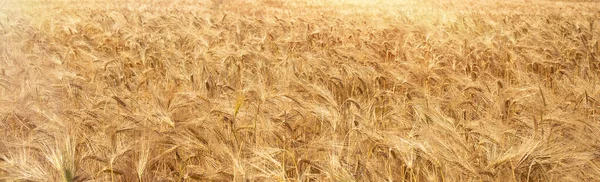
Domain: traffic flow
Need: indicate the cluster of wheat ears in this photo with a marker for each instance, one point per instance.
(319, 90)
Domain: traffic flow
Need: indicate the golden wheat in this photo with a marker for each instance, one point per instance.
(319, 90)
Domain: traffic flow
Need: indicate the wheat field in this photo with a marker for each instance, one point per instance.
(293, 90)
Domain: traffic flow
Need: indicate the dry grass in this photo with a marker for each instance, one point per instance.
(299, 90)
